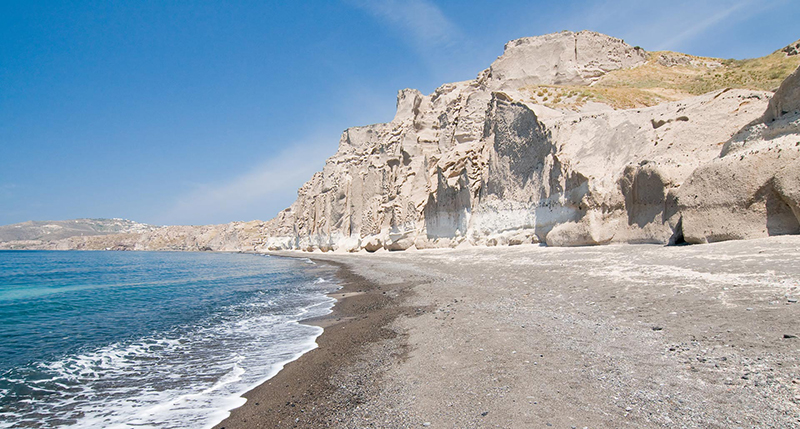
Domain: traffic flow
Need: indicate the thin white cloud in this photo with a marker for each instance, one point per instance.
(420, 20)
(446, 52)
(683, 26)
(256, 194)
(697, 28)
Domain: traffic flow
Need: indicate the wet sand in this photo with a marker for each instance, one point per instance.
(303, 393)
(525, 336)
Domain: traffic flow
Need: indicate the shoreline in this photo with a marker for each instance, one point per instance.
(300, 394)
(525, 336)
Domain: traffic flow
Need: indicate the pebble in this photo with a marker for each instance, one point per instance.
(749, 309)
(426, 424)
(792, 299)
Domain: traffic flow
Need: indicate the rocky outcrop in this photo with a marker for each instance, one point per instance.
(753, 189)
(792, 49)
(564, 58)
(786, 100)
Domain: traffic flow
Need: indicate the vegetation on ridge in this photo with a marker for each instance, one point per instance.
(670, 76)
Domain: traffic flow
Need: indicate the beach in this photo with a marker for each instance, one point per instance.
(529, 336)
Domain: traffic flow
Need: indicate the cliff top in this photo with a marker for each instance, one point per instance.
(564, 58)
(669, 76)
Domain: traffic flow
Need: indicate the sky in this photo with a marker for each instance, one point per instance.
(217, 111)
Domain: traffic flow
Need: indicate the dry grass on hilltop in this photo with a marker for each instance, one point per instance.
(670, 76)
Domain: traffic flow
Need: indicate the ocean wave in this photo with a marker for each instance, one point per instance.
(189, 377)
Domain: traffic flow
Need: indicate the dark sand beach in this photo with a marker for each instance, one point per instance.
(526, 336)
(304, 394)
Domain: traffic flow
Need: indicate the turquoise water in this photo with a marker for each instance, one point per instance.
(147, 339)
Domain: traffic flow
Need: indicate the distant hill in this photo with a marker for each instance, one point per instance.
(52, 230)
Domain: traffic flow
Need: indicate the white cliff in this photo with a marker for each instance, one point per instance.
(478, 162)
(564, 58)
(752, 189)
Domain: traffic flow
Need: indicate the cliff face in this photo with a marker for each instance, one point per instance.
(480, 162)
(566, 139)
(753, 188)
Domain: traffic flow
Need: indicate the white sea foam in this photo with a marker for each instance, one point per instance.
(186, 378)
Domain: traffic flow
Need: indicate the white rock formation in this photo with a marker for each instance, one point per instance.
(564, 58)
(753, 189)
(476, 163)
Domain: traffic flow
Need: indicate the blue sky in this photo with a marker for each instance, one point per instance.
(209, 112)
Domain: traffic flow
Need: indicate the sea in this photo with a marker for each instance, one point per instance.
(148, 339)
